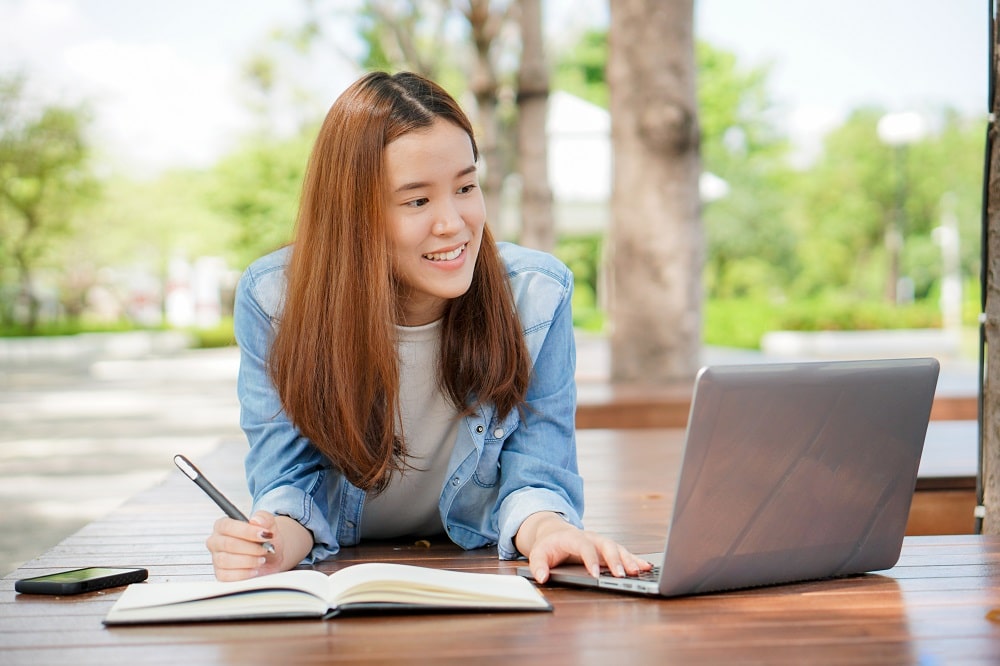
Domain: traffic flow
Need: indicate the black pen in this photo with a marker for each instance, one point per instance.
(193, 473)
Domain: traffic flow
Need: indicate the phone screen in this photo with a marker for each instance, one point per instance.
(78, 575)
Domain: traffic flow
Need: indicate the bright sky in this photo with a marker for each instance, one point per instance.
(163, 77)
(830, 57)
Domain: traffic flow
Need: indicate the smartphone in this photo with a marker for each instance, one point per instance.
(77, 581)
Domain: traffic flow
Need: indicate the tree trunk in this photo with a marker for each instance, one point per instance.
(484, 86)
(26, 293)
(991, 383)
(403, 38)
(537, 223)
(657, 238)
(24, 259)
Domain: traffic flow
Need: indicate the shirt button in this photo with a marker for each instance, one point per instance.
(350, 524)
(455, 481)
(480, 429)
(498, 433)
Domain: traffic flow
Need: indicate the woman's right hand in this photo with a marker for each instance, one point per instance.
(238, 550)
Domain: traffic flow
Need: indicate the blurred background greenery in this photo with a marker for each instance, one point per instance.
(867, 233)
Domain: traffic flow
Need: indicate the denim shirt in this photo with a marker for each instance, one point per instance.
(501, 470)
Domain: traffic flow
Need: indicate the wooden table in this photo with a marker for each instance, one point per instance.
(931, 608)
(945, 498)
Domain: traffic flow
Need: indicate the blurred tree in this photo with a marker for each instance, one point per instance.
(468, 46)
(841, 216)
(580, 70)
(842, 207)
(537, 220)
(945, 177)
(44, 179)
(144, 223)
(402, 35)
(751, 248)
(114, 267)
(485, 22)
(419, 37)
(657, 236)
(257, 187)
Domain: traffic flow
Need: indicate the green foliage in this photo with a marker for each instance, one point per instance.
(257, 190)
(375, 33)
(805, 249)
(751, 250)
(583, 255)
(946, 178)
(146, 222)
(737, 323)
(45, 180)
(432, 39)
(826, 314)
(742, 322)
(220, 335)
(733, 111)
(797, 249)
(66, 327)
(580, 70)
(840, 208)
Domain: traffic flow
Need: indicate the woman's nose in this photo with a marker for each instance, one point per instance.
(449, 220)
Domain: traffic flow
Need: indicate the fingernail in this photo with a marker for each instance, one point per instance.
(261, 560)
(265, 534)
(620, 571)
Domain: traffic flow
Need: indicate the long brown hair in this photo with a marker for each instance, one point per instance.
(334, 358)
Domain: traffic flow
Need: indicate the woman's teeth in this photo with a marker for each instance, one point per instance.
(445, 256)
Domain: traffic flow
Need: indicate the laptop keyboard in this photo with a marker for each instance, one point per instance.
(652, 575)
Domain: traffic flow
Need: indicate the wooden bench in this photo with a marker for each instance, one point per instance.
(618, 406)
(945, 496)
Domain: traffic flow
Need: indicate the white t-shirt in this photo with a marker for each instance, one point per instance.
(429, 422)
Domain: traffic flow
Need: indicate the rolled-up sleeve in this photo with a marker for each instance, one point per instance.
(538, 462)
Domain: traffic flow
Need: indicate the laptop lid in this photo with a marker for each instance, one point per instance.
(795, 471)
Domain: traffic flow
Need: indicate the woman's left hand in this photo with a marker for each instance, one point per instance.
(549, 540)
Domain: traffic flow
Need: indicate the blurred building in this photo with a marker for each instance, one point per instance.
(580, 170)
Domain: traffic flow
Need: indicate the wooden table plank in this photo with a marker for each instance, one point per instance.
(930, 608)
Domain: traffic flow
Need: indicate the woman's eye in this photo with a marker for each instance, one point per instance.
(417, 203)
(466, 189)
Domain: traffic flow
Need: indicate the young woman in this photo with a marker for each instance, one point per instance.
(401, 373)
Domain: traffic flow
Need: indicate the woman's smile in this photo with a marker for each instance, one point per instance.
(446, 255)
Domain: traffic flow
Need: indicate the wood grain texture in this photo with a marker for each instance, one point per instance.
(930, 608)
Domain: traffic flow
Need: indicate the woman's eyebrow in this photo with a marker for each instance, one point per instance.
(416, 185)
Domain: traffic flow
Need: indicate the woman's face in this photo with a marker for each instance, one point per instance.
(436, 215)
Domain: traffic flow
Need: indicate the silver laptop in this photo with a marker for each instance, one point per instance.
(790, 472)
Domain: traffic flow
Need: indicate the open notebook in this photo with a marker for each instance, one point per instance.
(790, 472)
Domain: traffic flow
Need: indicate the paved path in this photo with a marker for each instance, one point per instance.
(79, 436)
